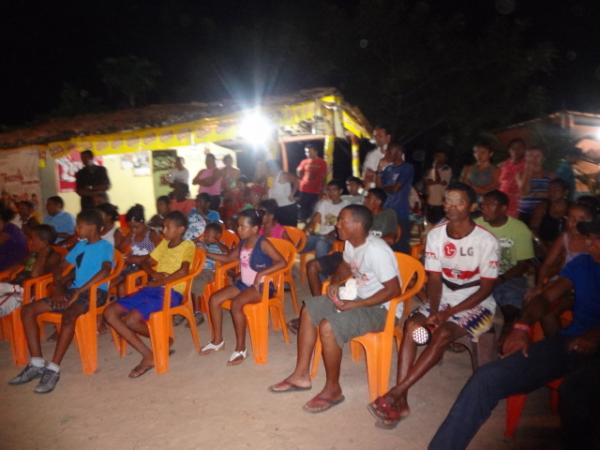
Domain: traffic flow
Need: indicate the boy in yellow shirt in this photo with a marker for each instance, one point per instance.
(171, 259)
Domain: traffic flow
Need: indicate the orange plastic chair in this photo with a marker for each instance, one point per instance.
(516, 403)
(257, 314)
(229, 238)
(160, 324)
(85, 327)
(12, 324)
(298, 238)
(338, 246)
(378, 346)
(416, 250)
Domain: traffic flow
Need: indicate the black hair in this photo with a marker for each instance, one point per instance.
(589, 203)
(457, 186)
(178, 217)
(574, 151)
(384, 126)
(58, 200)
(210, 155)
(339, 184)
(516, 141)
(135, 214)
(45, 232)
(485, 145)
(361, 214)
(379, 193)
(91, 217)
(216, 227)
(6, 214)
(26, 203)
(163, 198)
(228, 156)
(254, 216)
(497, 195)
(88, 153)
(178, 185)
(244, 179)
(110, 210)
(395, 144)
(269, 205)
(354, 179)
(311, 145)
(562, 183)
(203, 196)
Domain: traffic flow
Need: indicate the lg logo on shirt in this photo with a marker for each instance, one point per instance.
(450, 250)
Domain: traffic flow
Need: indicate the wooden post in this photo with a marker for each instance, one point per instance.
(355, 156)
(284, 156)
(328, 154)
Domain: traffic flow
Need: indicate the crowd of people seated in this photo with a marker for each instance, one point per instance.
(509, 241)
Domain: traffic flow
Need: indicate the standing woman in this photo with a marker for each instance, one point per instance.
(283, 191)
(482, 176)
(533, 183)
(210, 181)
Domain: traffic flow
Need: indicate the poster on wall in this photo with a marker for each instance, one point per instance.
(138, 162)
(67, 167)
(19, 175)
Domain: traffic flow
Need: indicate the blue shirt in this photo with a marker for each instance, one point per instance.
(88, 259)
(213, 216)
(394, 174)
(584, 274)
(210, 263)
(63, 222)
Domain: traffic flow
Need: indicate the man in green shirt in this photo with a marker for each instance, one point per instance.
(516, 253)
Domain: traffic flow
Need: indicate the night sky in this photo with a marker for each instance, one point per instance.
(207, 50)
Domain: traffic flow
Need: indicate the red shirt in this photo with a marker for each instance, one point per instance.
(185, 206)
(313, 175)
(508, 183)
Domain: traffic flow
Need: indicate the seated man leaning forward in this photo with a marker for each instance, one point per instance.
(525, 366)
(371, 262)
(461, 260)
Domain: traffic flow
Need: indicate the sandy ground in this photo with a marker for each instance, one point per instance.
(201, 403)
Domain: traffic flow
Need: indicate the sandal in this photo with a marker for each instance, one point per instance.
(380, 407)
(139, 370)
(210, 348)
(237, 358)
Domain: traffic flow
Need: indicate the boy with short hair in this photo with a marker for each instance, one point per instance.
(171, 259)
(62, 222)
(92, 258)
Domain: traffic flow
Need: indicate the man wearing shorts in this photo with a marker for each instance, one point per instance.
(371, 262)
(461, 260)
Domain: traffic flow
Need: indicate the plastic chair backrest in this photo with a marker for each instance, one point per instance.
(297, 236)
(286, 249)
(229, 238)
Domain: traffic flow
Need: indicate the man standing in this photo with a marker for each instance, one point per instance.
(436, 181)
(368, 259)
(91, 180)
(382, 138)
(312, 172)
(509, 169)
(179, 173)
(525, 366)
(396, 180)
(516, 253)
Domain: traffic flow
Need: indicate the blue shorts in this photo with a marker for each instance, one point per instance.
(511, 292)
(148, 300)
(243, 286)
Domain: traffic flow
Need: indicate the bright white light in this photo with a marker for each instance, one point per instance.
(256, 128)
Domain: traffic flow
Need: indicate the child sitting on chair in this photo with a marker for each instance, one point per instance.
(44, 260)
(171, 259)
(257, 258)
(92, 258)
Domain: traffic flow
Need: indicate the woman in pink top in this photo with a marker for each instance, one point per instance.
(270, 226)
(508, 174)
(210, 181)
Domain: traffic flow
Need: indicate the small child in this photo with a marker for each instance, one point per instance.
(203, 208)
(211, 244)
(257, 258)
(172, 259)
(44, 260)
(92, 258)
(162, 209)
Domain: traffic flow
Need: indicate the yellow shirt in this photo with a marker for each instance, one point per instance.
(170, 259)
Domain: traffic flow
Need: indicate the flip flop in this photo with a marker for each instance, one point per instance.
(286, 386)
(389, 424)
(380, 408)
(139, 371)
(322, 405)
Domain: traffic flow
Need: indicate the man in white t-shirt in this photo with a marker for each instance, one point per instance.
(461, 259)
(321, 228)
(179, 173)
(369, 261)
(382, 138)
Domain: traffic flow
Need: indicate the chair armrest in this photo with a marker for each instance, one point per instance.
(131, 281)
(221, 272)
(9, 274)
(278, 280)
(33, 285)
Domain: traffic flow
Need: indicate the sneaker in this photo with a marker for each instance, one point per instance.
(27, 374)
(48, 382)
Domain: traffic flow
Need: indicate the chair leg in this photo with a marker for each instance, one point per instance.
(314, 368)
(19, 348)
(258, 326)
(87, 342)
(514, 408)
(159, 336)
(356, 350)
(188, 314)
(372, 371)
